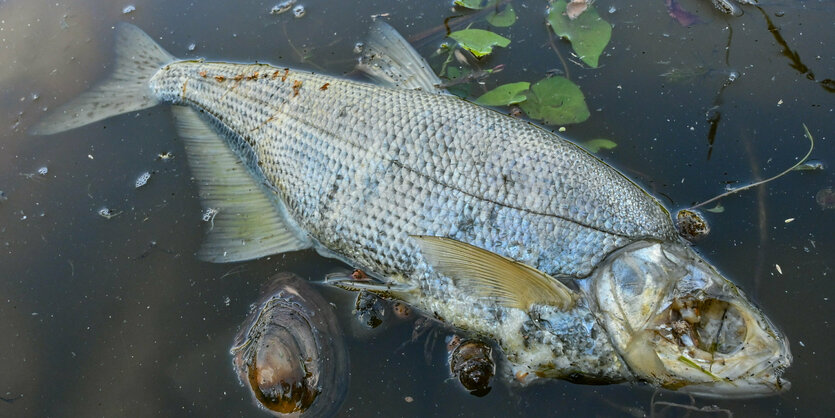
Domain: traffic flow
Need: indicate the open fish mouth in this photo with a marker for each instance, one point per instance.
(680, 325)
(734, 346)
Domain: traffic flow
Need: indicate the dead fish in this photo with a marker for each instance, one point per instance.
(486, 222)
(290, 352)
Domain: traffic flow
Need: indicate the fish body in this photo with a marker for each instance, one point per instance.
(486, 222)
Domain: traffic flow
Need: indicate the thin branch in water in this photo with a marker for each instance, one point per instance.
(554, 47)
(761, 182)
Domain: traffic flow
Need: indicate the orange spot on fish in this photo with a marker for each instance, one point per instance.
(220, 78)
(324, 86)
(275, 74)
(202, 74)
(239, 77)
(297, 85)
(286, 72)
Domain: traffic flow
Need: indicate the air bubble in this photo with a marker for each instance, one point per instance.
(298, 11)
(128, 9)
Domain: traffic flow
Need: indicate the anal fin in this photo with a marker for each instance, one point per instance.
(487, 274)
(244, 221)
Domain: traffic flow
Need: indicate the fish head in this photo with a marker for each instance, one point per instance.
(681, 325)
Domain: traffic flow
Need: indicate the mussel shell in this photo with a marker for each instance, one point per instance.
(290, 353)
(471, 362)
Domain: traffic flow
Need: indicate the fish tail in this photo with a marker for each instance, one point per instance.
(127, 89)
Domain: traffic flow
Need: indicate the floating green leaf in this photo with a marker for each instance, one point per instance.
(588, 33)
(471, 4)
(504, 18)
(556, 101)
(716, 209)
(595, 145)
(506, 94)
(478, 41)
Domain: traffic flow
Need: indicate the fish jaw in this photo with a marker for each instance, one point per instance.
(680, 325)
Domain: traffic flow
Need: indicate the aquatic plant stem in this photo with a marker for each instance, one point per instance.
(554, 47)
(739, 189)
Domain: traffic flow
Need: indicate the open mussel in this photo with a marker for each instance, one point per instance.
(290, 353)
(471, 362)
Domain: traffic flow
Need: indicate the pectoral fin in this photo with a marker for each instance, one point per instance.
(511, 283)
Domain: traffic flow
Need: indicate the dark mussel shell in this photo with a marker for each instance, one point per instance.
(471, 362)
(290, 353)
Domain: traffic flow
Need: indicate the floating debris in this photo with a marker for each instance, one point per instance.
(209, 216)
(282, 7)
(779, 270)
(789, 220)
(43, 170)
(691, 225)
(826, 198)
(811, 165)
(108, 213)
(165, 156)
(3, 196)
(401, 310)
(471, 363)
(192, 46)
(128, 9)
(143, 179)
(299, 11)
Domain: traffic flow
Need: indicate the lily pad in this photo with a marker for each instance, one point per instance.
(556, 101)
(504, 18)
(472, 4)
(595, 145)
(588, 33)
(506, 94)
(478, 41)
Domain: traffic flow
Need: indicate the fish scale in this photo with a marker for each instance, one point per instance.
(354, 162)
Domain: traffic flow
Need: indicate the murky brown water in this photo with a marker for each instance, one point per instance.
(116, 317)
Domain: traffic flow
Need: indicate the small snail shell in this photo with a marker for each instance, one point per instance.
(290, 352)
(369, 310)
(691, 225)
(471, 362)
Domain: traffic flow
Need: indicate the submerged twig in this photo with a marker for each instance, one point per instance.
(554, 47)
(761, 182)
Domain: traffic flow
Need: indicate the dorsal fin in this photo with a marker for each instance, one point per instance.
(390, 61)
(510, 283)
(244, 223)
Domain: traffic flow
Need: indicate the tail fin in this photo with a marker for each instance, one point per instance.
(138, 58)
